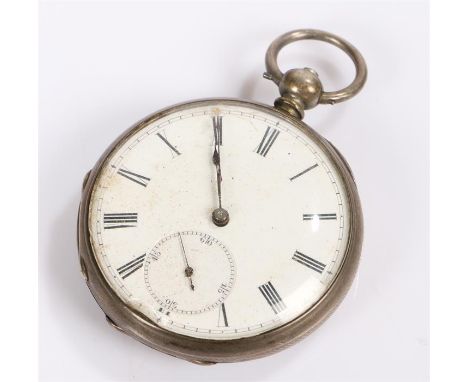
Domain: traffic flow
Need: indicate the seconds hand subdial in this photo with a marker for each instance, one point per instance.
(188, 269)
(213, 272)
(220, 216)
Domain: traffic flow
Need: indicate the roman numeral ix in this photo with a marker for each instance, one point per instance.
(139, 179)
(267, 141)
(131, 267)
(120, 220)
(319, 216)
(309, 262)
(272, 297)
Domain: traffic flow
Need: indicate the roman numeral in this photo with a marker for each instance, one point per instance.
(173, 149)
(120, 220)
(218, 129)
(303, 172)
(267, 141)
(139, 179)
(309, 262)
(131, 267)
(222, 317)
(319, 216)
(272, 297)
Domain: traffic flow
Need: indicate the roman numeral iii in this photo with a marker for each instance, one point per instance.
(267, 141)
(139, 179)
(131, 267)
(319, 216)
(120, 220)
(309, 262)
(272, 297)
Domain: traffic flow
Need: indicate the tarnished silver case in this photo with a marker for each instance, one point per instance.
(204, 351)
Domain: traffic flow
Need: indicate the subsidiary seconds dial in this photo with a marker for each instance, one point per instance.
(189, 272)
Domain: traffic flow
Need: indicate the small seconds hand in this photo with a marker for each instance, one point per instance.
(188, 268)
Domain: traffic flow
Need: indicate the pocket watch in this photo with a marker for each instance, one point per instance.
(222, 230)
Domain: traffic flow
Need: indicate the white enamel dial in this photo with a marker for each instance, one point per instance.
(152, 231)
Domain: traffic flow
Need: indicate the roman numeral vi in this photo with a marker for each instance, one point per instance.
(222, 316)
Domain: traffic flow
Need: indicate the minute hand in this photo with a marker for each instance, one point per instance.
(220, 216)
(217, 159)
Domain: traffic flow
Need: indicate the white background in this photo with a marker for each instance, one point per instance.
(105, 65)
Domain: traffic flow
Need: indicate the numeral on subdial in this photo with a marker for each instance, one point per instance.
(139, 179)
(120, 220)
(222, 316)
(131, 267)
(309, 262)
(267, 141)
(319, 216)
(272, 297)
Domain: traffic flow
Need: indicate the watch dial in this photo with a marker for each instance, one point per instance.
(154, 235)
